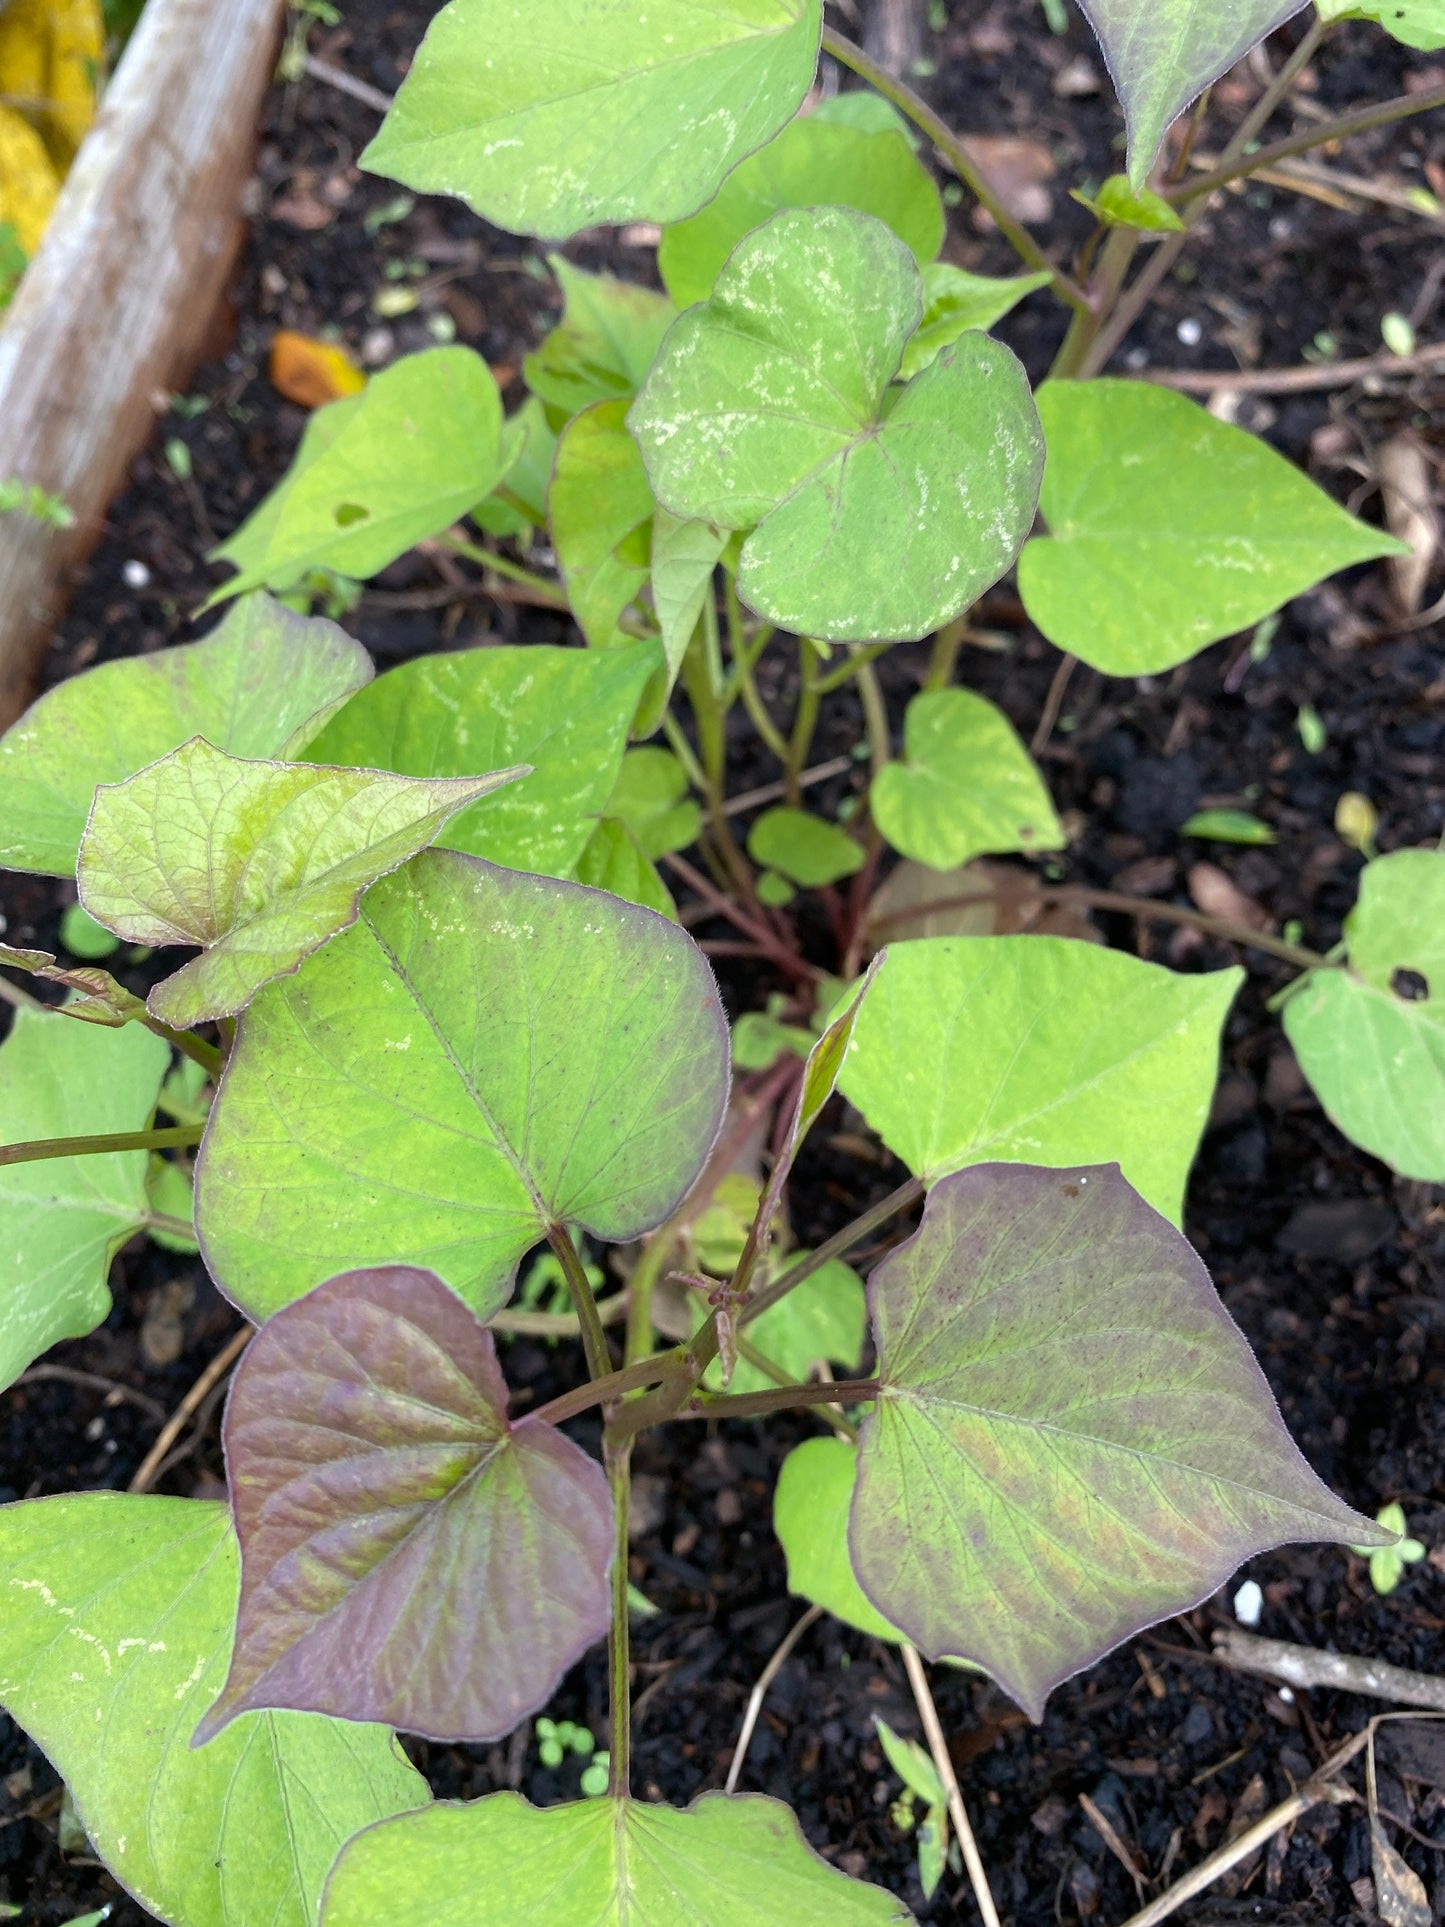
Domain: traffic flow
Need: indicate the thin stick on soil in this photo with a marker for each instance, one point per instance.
(943, 1765)
(1307, 1666)
(1310, 379)
(189, 1405)
(93, 1382)
(1054, 702)
(1311, 1794)
(760, 1692)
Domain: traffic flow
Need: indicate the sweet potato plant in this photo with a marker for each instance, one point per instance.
(443, 1029)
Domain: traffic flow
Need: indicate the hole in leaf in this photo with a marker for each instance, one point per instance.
(348, 514)
(1412, 985)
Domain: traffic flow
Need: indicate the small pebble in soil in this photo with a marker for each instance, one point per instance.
(1190, 331)
(136, 575)
(1248, 1604)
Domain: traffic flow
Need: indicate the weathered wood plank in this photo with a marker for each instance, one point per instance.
(117, 302)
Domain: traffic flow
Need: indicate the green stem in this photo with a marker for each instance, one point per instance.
(189, 1045)
(781, 1398)
(170, 1227)
(805, 720)
(1403, 107)
(743, 660)
(545, 591)
(656, 1370)
(1115, 260)
(944, 658)
(619, 1636)
(955, 152)
(584, 1303)
(860, 654)
(683, 751)
(676, 1386)
(642, 1287)
(875, 716)
(761, 1363)
(556, 1324)
(83, 1147)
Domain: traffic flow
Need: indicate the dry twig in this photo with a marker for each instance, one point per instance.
(194, 1398)
(760, 1692)
(943, 1765)
(1306, 1666)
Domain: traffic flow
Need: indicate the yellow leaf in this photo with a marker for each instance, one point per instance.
(51, 53)
(312, 372)
(28, 185)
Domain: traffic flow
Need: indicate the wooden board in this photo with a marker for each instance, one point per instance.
(115, 307)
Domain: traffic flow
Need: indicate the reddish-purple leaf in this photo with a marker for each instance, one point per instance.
(407, 1554)
(1072, 1439)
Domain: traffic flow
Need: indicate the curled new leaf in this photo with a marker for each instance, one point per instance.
(483, 1057)
(261, 684)
(875, 512)
(1072, 1439)
(407, 1554)
(739, 1862)
(259, 863)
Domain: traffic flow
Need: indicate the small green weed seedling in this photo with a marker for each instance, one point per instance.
(439, 1026)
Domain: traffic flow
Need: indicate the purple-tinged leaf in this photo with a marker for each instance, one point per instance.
(1072, 1439)
(407, 1554)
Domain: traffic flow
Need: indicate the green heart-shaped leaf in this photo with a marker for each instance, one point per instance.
(481, 1058)
(651, 798)
(550, 120)
(62, 1220)
(1164, 53)
(1072, 1439)
(1168, 529)
(614, 861)
(261, 684)
(564, 712)
(1418, 23)
(874, 512)
(1040, 1050)
(810, 1516)
(605, 343)
(116, 1619)
(407, 1554)
(419, 447)
(599, 495)
(968, 788)
(806, 848)
(1371, 1037)
(739, 1862)
(259, 863)
(812, 163)
(955, 301)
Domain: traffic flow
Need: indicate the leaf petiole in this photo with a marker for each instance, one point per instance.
(177, 1138)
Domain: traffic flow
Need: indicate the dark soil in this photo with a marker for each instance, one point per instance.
(1335, 1270)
